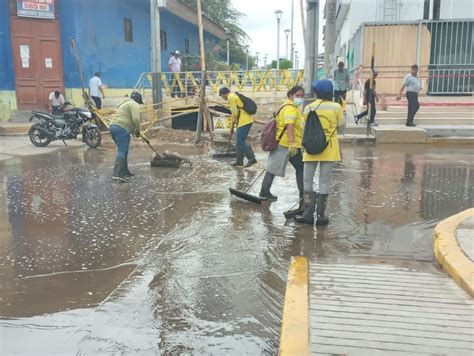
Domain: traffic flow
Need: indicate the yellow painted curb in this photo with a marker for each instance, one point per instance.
(449, 253)
(294, 339)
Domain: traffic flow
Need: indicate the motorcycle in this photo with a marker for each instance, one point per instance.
(66, 126)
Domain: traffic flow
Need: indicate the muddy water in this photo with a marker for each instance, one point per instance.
(171, 263)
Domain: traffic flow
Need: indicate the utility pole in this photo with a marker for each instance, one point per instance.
(155, 53)
(311, 44)
(202, 93)
(228, 48)
(329, 36)
(256, 55)
(292, 30)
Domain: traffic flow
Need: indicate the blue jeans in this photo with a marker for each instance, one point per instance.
(242, 133)
(121, 137)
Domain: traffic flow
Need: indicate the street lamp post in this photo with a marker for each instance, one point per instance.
(287, 34)
(296, 60)
(247, 57)
(256, 55)
(227, 33)
(278, 14)
(265, 60)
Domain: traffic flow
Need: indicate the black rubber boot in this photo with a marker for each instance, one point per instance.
(250, 156)
(290, 214)
(266, 185)
(239, 161)
(309, 206)
(321, 208)
(127, 172)
(119, 171)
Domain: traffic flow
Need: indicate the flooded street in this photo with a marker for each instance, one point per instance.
(171, 263)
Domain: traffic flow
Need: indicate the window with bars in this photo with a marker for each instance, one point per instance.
(186, 46)
(163, 39)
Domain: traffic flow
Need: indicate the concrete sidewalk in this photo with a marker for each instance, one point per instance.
(18, 146)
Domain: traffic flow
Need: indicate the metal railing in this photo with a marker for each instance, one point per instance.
(189, 83)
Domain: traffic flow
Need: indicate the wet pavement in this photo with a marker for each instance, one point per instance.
(171, 263)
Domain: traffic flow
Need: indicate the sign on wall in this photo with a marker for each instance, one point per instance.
(40, 9)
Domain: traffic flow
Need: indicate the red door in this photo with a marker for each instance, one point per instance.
(38, 61)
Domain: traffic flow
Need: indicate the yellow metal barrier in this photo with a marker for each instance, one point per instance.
(255, 81)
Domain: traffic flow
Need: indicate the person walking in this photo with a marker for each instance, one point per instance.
(332, 120)
(243, 121)
(412, 83)
(370, 97)
(341, 82)
(125, 123)
(95, 89)
(56, 102)
(289, 135)
(174, 66)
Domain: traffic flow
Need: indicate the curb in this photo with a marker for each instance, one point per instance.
(449, 254)
(294, 338)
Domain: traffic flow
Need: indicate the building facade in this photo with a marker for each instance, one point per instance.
(111, 36)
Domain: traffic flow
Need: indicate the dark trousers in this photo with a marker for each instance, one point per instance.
(339, 94)
(373, 111)
(121, 137)
(413, 106)
(97, 101)
(297, 163)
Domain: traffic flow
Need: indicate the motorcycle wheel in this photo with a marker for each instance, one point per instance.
(92, 137)
(37, 138)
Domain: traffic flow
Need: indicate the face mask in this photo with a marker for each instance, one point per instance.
(298, 101)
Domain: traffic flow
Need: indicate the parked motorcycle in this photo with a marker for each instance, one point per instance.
(63, 127)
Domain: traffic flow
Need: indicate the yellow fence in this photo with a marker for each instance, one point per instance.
(253, 81)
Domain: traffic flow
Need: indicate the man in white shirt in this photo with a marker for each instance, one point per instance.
(412, 83)
(174, 66)
(56, 102)
(95, 89)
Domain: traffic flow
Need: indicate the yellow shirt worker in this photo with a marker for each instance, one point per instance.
(331, 118)
(243, 120)
(289, 135)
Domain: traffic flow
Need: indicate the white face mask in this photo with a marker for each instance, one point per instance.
(298, 101)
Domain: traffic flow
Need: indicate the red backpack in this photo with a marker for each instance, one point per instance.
(268, 140)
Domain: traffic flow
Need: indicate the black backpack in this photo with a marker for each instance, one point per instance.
(314, 138)
(249, 105)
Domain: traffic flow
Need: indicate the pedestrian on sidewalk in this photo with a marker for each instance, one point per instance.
(341, 82)
(174, 66)
(243, 121)
(412, 83)
(95, 89)
(289, 135)
(332, 120)
(370, 98)
(56, 102)
(125, 123)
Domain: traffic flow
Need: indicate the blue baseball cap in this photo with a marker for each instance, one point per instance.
(322, 86)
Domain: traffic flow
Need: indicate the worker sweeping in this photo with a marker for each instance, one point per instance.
(323, 118)
(241, 109)
(125, 123)
(289, 134)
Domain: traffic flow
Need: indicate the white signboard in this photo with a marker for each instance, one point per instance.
(48, 62)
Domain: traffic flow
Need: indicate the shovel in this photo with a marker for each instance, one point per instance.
(244, 194)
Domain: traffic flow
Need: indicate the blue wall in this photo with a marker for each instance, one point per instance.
(7, 77)
(101, 41)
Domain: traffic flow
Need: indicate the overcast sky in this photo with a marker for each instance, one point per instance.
(261, 26)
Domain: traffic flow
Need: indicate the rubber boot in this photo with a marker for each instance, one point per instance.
(127, 172)
(239, 161)
(309, 201)
(250, 156)
(266, 185)
(290, 214)
(321, 208)
(118, 174)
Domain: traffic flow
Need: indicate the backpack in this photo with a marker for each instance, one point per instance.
(314, 138)
(249, 105)
(268, 140)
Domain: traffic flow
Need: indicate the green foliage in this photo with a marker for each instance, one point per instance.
(284, 64)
